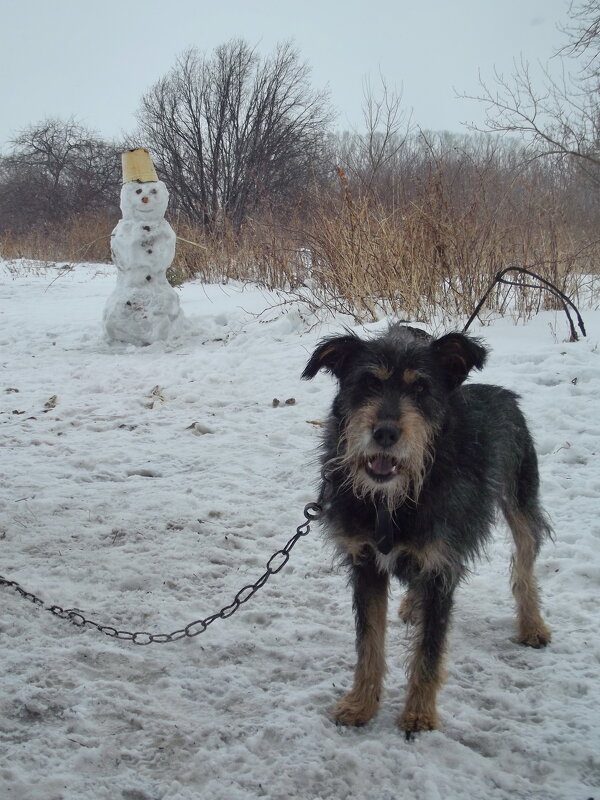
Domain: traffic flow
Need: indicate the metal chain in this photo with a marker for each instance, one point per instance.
(278, 560)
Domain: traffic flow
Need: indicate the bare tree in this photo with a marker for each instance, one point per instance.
(54, 169)
(583, 33)
(563, 118)
(232, 132)
(373, 158)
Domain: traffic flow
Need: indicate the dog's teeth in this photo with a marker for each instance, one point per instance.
(382, 465)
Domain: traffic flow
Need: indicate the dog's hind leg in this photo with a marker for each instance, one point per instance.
(370, 589)
(527, 530)
(408, 608)
(529, 527)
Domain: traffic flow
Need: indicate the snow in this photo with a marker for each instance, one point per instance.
(143, 307)
(147, 485)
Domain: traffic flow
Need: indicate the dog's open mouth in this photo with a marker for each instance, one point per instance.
(381, 467)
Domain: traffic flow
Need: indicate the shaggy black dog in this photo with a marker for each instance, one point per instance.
(415, 466)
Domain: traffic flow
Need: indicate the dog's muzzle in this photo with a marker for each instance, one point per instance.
(383, 466)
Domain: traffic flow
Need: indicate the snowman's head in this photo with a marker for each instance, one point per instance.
(144, 201)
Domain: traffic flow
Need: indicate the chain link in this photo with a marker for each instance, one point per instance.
(312, 512)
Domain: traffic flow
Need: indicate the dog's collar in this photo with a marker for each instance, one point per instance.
(385, 528)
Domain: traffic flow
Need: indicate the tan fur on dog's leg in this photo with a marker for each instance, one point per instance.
(532, 630)
(407, 611)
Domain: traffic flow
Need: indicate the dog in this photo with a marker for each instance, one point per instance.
(415, 467)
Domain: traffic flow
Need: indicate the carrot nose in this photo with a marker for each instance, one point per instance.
(145, 199)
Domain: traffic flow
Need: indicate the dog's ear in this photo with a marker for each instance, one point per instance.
(457, 355)
(334, 355)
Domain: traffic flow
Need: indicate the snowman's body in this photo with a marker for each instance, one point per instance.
(143, 308)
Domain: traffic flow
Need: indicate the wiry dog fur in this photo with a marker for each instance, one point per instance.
(415, 466)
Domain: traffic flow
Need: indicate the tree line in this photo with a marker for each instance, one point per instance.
(230, 134)
(238, 137)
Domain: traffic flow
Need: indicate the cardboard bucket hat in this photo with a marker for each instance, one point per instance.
(137, 166)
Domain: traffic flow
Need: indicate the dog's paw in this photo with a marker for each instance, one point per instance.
(412, 722)
(354, 709)
(536, 634)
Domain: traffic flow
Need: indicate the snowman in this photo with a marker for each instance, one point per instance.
(144, 307)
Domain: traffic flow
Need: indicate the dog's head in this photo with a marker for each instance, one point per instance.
(391, 403)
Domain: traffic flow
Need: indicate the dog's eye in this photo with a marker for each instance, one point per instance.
(419, 387)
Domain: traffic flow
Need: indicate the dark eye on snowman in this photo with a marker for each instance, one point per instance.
(138, 191)
(153, 191)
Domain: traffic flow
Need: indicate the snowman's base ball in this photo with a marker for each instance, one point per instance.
(143, 315)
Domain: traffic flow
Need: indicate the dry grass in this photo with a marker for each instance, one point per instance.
(261, 253)
(368, 260)
(359, 256)
(84, 237)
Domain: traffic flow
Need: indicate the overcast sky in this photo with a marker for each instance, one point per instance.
(94, 59)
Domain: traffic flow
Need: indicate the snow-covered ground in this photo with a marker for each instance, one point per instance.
(145, 486)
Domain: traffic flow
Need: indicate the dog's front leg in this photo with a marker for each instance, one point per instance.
(433, 597)
(370, 588)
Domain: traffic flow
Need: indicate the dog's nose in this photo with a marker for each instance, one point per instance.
(385, 434)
